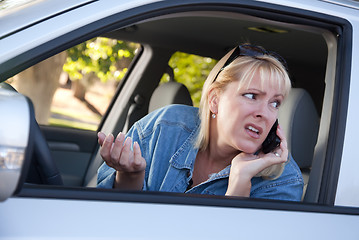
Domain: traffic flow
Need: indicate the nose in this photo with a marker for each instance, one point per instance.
(262, 110)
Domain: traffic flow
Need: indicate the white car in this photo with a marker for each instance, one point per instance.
(48, 173)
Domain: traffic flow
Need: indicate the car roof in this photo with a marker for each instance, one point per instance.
(354, 4)
(18, 15)
(221, 27)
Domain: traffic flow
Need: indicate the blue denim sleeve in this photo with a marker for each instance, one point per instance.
(105, 176)
(289, 186)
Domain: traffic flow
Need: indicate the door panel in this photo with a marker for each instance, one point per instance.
(72, 150)
(84, 219)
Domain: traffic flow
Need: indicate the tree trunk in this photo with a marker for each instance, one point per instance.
(79, 90)
(39, 83)
(80, 86)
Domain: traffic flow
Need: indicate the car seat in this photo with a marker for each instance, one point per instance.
(170, 92)
(167, 93)
(299, 120)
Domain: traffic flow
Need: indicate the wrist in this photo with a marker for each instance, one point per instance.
(239, 188)
(129, 180)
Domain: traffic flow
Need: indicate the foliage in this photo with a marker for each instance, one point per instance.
(192, 71)
(108, 59)
(102, 56)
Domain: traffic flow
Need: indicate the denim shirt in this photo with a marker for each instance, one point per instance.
(166, 138)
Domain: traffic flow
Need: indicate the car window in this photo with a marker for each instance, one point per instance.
(190, 70)
(74, 88)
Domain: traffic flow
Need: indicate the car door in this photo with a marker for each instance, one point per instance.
(74, 211)
(72, 151)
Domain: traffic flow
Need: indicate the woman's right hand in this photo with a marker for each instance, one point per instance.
(129, 165)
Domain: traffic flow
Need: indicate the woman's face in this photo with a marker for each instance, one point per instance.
(245, 116)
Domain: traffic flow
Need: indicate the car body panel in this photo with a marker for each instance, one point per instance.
(65, 212)
(71, 219)
(21, 17)
(348, 180)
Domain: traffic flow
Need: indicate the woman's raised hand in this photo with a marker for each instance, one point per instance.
(130, 165)
(245, 166)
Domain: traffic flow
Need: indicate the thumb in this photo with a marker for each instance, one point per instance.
(138, 159)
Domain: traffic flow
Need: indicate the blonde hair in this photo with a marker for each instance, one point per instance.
(242, 69)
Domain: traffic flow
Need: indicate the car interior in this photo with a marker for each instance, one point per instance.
(309, 46)
(305, 49)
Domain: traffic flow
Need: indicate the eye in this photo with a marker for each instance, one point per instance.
(250, 95)
(276, 104)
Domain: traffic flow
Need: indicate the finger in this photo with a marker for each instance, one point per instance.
(106, 148)
(281, 134)
(269, 160)
(139, 161)
(284, 144)
(117, 148)
(281, 151)
(101, 138)
(126, 157)
(284, 149)
(277, 153)
(243, 167)
(248, 156)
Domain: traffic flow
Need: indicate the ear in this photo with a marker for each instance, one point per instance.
(213, 99)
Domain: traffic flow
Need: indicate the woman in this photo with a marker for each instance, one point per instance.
(218, 148)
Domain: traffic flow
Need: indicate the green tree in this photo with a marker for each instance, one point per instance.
(192, 71)
(105, 57)
(108, 59)
(99, 58)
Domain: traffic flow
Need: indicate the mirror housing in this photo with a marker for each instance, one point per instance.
(15, 141)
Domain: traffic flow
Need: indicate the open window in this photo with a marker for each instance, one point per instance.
(312, 49)
(314, 46)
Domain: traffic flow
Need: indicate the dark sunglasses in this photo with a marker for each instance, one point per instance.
(251, 51)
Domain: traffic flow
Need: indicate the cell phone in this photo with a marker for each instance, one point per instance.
(272, 141)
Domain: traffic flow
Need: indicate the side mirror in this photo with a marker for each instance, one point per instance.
(15, 141)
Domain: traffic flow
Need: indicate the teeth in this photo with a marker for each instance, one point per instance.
(253, 129)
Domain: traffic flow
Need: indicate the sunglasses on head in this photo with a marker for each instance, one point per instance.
(251, 51)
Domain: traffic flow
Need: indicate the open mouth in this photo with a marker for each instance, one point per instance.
(253, 131)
